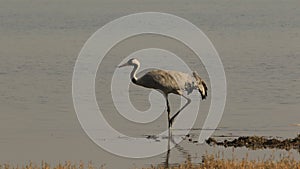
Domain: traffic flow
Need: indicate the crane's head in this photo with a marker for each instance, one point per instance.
(130, 62)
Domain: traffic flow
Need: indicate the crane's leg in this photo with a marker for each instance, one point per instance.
(168, 109)
(176, 114)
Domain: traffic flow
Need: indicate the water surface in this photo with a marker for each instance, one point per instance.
(258, 43)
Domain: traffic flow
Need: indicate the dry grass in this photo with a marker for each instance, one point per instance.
(44, 165)
(209, 162)
(212, 163)
(216, 162)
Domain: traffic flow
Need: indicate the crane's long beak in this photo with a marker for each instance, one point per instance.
(125, 64)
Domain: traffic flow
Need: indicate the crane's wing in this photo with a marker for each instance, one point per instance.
(201, 85)
(159, 79)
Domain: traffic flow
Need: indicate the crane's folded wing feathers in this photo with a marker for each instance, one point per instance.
(161, 80)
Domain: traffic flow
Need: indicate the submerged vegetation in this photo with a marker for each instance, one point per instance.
(259, 142)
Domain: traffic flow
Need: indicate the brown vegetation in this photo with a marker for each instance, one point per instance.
(208, 162)
(211, 162)
(44, 165)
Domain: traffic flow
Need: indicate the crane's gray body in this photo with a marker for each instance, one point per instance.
(170, 81)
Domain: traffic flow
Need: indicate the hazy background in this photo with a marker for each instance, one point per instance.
(258, 42)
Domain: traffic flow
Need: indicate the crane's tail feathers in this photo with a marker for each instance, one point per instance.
(201, 85)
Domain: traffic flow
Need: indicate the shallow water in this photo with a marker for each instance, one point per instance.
(258, 43)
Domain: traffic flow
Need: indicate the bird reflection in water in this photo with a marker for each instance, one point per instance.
(166, 163)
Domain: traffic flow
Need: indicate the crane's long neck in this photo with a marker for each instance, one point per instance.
(133, 73)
